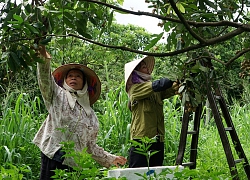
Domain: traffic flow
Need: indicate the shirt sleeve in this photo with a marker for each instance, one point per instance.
(141, 91)
(46, 82)
(99, 154)
(168, 93)
(144, 90)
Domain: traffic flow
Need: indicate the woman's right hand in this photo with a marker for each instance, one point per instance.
(119, 160)
(42, 51)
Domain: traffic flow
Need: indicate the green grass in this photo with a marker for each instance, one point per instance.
(18, 127)
(22, 117)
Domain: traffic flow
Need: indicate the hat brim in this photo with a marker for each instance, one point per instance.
(94, 84)
(129, 67)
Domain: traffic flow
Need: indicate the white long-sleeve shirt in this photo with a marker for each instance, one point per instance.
(64, 124)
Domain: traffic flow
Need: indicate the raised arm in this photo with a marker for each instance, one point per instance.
(44, 77)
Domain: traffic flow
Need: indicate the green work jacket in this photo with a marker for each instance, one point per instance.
(147, 111)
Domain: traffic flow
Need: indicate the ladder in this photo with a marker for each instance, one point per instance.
(215, 97)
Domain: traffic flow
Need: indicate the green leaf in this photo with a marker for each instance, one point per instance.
(180, 7)
(81, 25)
(15, 58)
(18, 18)
(26, 30)
(28, 8)
(38, 25)
(154, 41)
(68, 22)
(154, 152)
(23, 63)
(63, 41)
(169, 9)
(211, 4)
(16, 26)
(45, 41)
(4, 55)
(80, 31)
(204, 69)
(12, 63)
(202, 5)
(32, 29)
(195, 68)
(181, 89)
(38, 14)
(120, 2)
(13, 22)
(68, 15)
(110, 19)
(177, 174)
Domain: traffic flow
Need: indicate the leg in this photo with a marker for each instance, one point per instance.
(157, 159)
(136, 160)
(47, 165)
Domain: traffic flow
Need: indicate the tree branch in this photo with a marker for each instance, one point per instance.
(190, 48)
(193, 23)
(237, 56)
(241, 10)
(176, 10)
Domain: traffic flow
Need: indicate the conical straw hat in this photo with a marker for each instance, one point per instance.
(94, 84)
(129, 67)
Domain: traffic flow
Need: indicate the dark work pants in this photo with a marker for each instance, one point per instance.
(47, 165)
(139, 160)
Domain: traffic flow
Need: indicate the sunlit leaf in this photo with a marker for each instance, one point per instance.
(180, 7)
(18, 18)
(181, 89)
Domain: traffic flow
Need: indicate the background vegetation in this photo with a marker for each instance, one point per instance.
(86, 34)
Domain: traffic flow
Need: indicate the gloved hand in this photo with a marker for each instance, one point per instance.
(161, 84)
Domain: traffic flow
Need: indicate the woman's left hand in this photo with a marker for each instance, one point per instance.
(119, 160)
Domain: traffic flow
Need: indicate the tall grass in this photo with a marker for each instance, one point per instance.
(18, 127)
(114, 118)
(22, 117)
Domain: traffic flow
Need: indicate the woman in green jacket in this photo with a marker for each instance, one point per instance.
(146, 105)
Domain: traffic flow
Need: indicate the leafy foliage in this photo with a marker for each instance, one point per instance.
(83, 31)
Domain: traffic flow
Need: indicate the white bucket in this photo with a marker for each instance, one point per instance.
(129, 173)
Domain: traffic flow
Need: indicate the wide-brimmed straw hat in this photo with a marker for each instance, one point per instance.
(129, 67)
(94, 84)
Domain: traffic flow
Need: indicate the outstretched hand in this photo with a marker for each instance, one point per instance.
(119, 160)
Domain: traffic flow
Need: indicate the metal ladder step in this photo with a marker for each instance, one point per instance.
(228, 129)
(239, 160)
(192, 132)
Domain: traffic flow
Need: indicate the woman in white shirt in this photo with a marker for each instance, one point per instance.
(68, 94)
